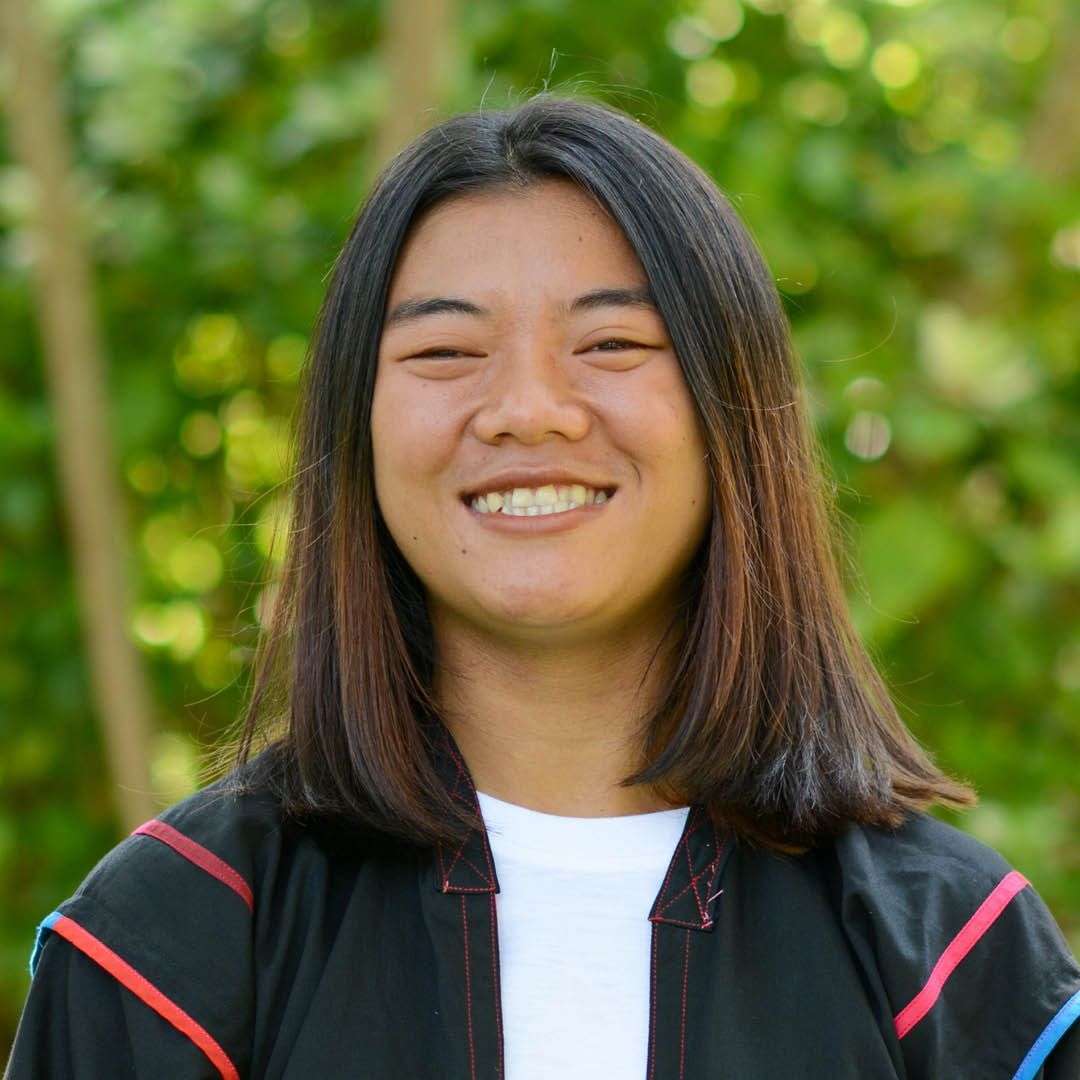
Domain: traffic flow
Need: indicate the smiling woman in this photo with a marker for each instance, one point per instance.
(574, 764)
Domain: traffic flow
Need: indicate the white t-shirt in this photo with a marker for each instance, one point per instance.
(575, 937)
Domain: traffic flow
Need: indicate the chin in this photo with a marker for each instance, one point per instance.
(533, 614)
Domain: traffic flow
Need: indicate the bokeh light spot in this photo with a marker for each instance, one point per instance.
(866, 391)
(995, 144)
(723, 19)
(161, 534)
(1024, 39)
(688, 38)
(844, 38)
(895, 64)
(711, 83)
(1067, 666)
(174, 767)
(179, 627)
(815, 99)
(868, 435)
(148, 474)
(1065, 247)
(974, 361)
(257, 447)
(270, 529)
(287, 24)
(196, 564)
(211, 358)
(200, 434)
(806, 21)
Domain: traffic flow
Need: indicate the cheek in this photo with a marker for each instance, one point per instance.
(411, 434)
(662, 423)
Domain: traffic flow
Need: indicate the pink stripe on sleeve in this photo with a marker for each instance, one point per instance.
(957, 949)
(200, 856)
(147, 992)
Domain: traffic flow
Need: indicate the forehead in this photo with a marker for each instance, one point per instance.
(549, 230)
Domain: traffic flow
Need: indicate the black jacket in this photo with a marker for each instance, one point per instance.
(225, 941)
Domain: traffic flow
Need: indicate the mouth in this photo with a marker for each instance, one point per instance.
(538, 501)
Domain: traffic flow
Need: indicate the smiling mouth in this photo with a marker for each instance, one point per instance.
(541, 501)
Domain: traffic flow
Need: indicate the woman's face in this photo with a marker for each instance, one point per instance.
(538, 458)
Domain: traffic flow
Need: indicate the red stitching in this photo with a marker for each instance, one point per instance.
(665, 905)
(682, 1035)
(473, 803)
(684, 845)
(495, 978)
(468, 989)
(652, 1007)
(457, 855)
(460, 857)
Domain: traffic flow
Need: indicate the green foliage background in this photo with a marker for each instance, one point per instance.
(892, 160)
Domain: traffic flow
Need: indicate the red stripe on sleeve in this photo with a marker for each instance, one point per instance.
(957, 949)
(200, 856)
(147, 992)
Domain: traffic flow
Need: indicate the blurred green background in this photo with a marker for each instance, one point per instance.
(911, 170)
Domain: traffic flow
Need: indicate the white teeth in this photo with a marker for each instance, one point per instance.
(541, 501)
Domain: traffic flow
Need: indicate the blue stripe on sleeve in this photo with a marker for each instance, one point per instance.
(43, 931)
(1050, 1037)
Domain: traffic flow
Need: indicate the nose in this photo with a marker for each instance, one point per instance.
(531, 398)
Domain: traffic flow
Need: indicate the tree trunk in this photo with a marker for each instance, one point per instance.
(1053, 139)
(71, 345)
(421, 55)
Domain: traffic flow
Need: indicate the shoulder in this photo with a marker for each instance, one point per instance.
(170, 912)
(214, 839)
(230, 845)
(923, 860)
(970, 961)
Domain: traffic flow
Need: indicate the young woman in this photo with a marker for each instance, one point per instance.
(575, 766)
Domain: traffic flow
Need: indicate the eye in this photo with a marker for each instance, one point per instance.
(616, 345)
(446, 353)
(617, 354)
(442, 362)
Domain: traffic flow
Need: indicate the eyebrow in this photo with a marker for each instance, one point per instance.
(424, 306)
(639, 296)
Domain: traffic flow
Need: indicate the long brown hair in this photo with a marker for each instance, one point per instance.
(772, 714)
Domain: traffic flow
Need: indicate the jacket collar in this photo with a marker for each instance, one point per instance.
(468, 867)
(689, 896)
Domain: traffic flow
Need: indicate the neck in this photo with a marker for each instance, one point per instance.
(555, 730)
